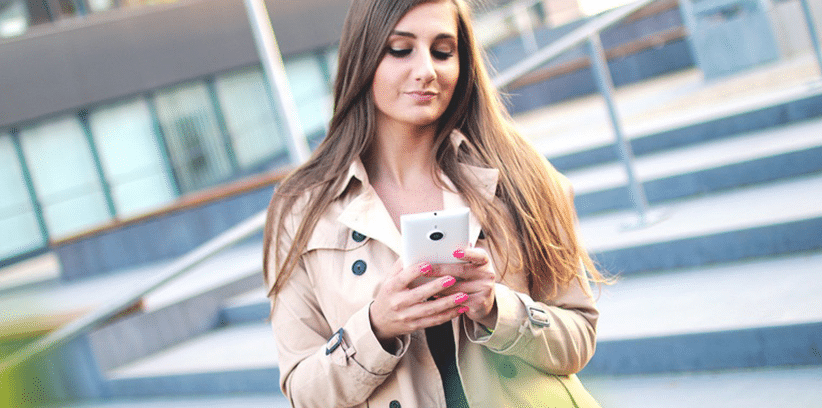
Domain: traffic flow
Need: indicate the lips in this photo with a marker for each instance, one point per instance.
(422, 96)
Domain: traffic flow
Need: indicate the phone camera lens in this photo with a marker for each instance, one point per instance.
(436, 236)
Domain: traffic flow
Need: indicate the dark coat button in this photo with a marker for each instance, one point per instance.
(357, 237)
(506, 368)
(359, 267)
(394, 404)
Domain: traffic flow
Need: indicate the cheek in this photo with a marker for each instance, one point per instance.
(450, 77)
(380, 87)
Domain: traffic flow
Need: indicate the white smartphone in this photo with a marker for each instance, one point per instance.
(433, 236)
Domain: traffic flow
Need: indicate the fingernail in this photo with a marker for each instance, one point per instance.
(463, 309)
(459, 254)
(449, 281)
(426, 269)
(462, 297)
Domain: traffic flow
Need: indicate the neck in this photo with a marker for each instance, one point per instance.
(401, 155)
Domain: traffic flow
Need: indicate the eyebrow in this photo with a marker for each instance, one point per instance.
(412, 35)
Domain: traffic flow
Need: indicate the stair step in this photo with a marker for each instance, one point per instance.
(747, 314)
(183, 308)
(763, 156)
(570, 151)
(236, 359)
(256, 400)
(252, 306)
(796, 387)
(757, 221)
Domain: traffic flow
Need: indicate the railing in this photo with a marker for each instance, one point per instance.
(590, 33)
(63, 335)
(253, 225)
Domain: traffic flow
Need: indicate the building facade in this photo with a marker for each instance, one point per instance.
(109, 109)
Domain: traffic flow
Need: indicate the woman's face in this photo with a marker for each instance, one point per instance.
(415, 80)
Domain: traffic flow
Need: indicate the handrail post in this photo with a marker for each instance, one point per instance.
(278, 87)
(606, 87)
(812, 31)
(525, 27)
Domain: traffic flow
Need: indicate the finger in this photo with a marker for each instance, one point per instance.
(469, 287)
(436, 307)
(474, 256)
(430, 289)
(407, 275)
(440, 318)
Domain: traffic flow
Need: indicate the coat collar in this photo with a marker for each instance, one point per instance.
(366, 213)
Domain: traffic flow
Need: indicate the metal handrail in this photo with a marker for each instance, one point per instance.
(256, 223)
(590, 33)
(179, 267)
(567, 42)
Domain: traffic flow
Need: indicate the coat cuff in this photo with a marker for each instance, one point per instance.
(511, 314)
(365, 349)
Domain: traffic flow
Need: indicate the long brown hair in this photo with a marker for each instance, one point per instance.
(534, 219)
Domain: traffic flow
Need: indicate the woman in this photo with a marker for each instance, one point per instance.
(418, 127)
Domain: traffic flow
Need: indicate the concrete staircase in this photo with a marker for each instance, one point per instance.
(716, 302)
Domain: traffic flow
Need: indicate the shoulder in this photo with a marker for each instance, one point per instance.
(324, 229)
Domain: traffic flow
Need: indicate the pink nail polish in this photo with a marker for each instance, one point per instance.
(462, 297)
(463, 309)
(449, 281)
(426, 269)
(459, 254)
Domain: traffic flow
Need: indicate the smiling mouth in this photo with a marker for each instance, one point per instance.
(422, 96)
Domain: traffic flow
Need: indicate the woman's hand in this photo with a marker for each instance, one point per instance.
(399, 309)
(476, 278)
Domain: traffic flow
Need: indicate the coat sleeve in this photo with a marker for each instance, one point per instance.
(557, 336)
(322, 366)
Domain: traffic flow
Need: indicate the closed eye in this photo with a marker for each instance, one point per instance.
(442, 55)
(399, 53)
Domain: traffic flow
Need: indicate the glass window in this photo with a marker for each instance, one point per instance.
(99, 5)
(14, 18)
(312, 95)
(249, 117)
(195, 142)
(65, 177)
(131, 158)
(19, 231)
(331, 58)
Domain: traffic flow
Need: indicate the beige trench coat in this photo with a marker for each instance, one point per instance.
(330, 357)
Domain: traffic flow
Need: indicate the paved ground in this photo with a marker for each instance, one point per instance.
(795, 387)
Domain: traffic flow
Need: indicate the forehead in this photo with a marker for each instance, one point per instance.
(436, 17)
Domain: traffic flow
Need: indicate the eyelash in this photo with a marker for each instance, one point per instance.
(440, 55)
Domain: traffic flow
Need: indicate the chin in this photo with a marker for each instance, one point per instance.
(424, 119)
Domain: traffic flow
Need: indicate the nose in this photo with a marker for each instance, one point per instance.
(424, 70)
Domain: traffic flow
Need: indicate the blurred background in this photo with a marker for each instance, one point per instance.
(140, 140)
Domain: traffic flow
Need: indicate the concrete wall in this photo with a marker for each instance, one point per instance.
(89, 60)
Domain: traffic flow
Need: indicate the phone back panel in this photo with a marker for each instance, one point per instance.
(434, 236)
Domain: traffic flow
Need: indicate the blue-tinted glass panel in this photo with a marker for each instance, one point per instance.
(195, 143)
(251, 122)
(19, 231)
(331, 58)
(65, 177)
(99, 5)
(131, 157)
(312, 95)
(14, 18)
